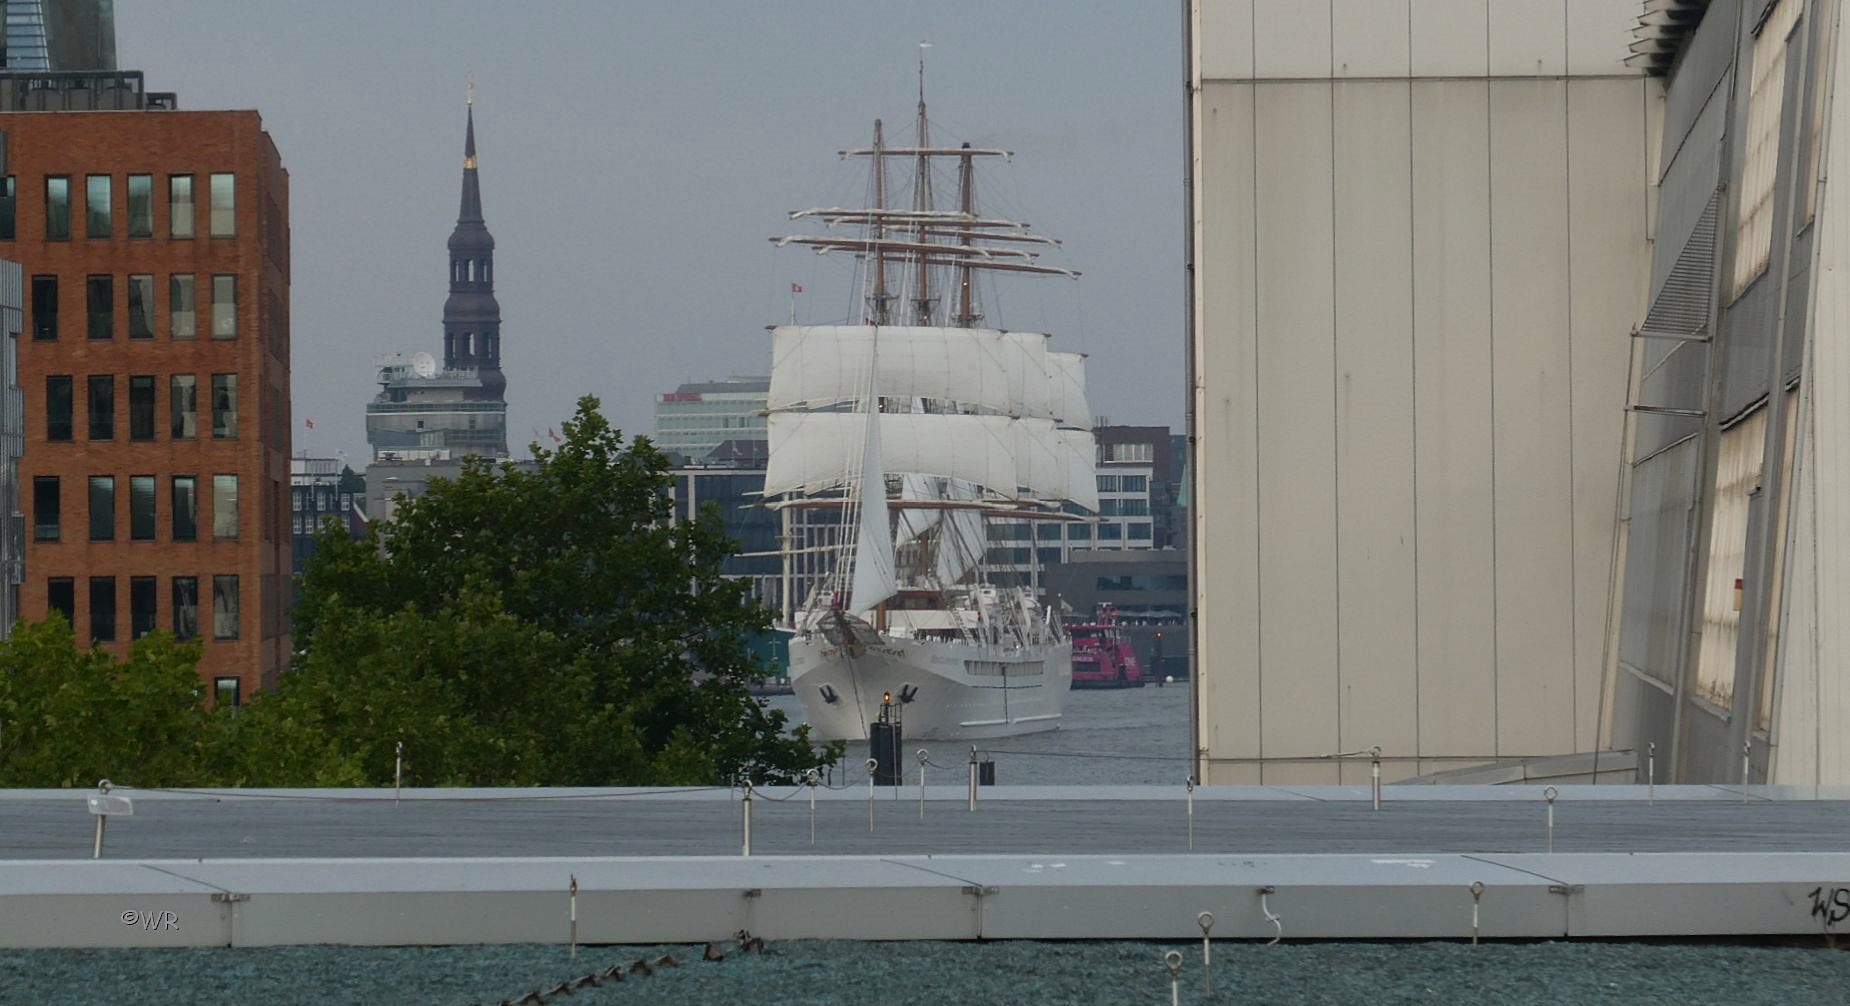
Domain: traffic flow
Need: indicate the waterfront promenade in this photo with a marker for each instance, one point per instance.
(246, 868)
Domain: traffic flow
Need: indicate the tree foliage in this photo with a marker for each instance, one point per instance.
(552, 626)
(71, 717)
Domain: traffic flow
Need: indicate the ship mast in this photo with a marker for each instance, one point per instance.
(922, 203)
(881, 297)
(966, 187)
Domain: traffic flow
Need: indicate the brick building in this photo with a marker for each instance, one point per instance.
(155, 364)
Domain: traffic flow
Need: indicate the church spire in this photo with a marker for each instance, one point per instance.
(471, 315)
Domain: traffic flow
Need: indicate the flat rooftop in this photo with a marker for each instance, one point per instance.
(253, 868)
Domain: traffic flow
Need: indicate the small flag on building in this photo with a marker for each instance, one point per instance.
(796, 288)
(554, 436)
(310, 422)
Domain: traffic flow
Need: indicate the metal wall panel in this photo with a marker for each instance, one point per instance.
(1657, 560)
(1528, 38)
(1296, 475)
(1606, 143)
(1530, 384)
(1598, 32)
(1689, 180)
(1449, 38)
(1797, 755)
(1702, 68)
(1371, 38)
(1291, 39)
(1227, 424)
(1452, 406)
(1378, 678)
(1224, 39)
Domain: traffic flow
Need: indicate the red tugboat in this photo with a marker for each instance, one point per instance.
(1102, 657)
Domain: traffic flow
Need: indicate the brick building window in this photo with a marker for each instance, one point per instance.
(225, 693)
(141, 507)
(102, 406)
(102, 609)
(141, 206)
(9, 208)
(224, 307)
(100, 306)
(142, 594)
(58, 208)
(47, 508)
(96, 206)
(141, 307)
(61, 597)
(58, 407)
(102, 507)
(44, 307)
(224, 406)
(141, 407)
(224, 205)
(185, 508)
(185, 606)
(180, 306)
(183, 397)
(224, 607)
(180, 206)
(225, 507)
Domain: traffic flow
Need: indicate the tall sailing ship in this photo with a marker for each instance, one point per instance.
(896, 440)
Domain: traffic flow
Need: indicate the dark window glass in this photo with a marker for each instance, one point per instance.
(141, 407)
(1079, 532)
(141, 206)
(61, 597)
(9, 208)
(186, 606)
(102, 407)
(47, 508)
(141, 507)
(180, 303)
(141, 307)
(180, 206)
(224, 406)
(100, 302)
(102, 609)
(44, 307)
(142, 591)
(58, 407)
(224, 307)
(184, 395)
(224, 206)
(224, 607)
(96, 206)
(102, 507)
(1110, 532)
(58, 208)
(225, 507)
(185, 508)
(225, 693)
(1140, 532)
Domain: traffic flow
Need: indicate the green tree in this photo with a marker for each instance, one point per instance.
(69, 717)
(553, 626)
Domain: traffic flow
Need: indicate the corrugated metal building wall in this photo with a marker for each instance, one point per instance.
(1421, 241)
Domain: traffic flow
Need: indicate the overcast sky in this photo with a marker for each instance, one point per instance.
(636, 155)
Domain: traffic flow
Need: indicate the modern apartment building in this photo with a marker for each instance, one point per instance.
(155, 365)
(697, 418)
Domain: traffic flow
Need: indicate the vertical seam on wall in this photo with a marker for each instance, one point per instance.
(1336, 429)
(1252, 151)
(1573, 523)
(1413, 349)
(1490, 291)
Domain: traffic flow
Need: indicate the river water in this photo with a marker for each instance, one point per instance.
(1131, 736)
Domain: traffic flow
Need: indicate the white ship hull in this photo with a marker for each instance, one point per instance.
(958, 690)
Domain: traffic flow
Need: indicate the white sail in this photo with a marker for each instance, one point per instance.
(1068, 396)
(1006, 373)
(1056, 464)
(964, 537)
(809, 450)
(874, 576)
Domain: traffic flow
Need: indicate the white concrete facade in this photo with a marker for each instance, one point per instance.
(1421, 241)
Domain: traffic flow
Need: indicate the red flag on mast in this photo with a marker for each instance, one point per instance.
(796, 288)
